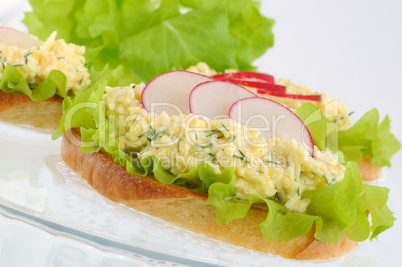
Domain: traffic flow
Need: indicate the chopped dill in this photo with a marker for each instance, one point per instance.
(223, 125)
(325, 177)
(151, 135)
(278, 196)
(270, 161)
(213, 132)
(201, 146)
(26, 55)
(242, 156)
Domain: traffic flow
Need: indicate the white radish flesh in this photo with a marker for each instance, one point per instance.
(11, 37)
(213, 99)
(170, 92)
(272, 119)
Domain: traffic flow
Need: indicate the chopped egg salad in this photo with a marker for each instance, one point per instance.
(329, 106)
(37, 62)
(274, 169)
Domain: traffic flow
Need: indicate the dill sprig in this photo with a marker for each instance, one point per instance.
(178, 144)
(212, 133)
(26, 55)
(325, 177)
(202, 146)
(270, 161)
(152, 135)
(242, 156)
(223, 125)
(278, 196)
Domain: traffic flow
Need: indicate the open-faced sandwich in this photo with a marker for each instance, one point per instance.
(277, 175)
(35, 77)
(271, 191)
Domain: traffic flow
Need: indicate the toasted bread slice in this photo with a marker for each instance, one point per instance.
(186, 208)
(20, 109)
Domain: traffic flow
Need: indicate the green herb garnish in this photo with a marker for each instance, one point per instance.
(325, 177)
(151, 135)
(242, 156)
(201, 146)
(278, 196)
(270, 161)
(223, 125)
(26, 56)
(212, 133)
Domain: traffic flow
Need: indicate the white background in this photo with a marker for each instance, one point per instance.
(350, 49)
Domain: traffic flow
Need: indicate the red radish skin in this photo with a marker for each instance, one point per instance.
(170, 92)
(213, 99)
(316, 98)
(245, 75)
(12, 37)
(272, 119)
(259, 85)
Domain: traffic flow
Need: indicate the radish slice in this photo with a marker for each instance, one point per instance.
(245, 75)
(259, 85)
(170, 92)
(251, 79)
(11, 37)
(213, 99)
(272, 119)
(316, 98)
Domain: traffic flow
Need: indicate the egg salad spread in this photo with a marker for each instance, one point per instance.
(37, 62)
(329, 106)
(274, 169)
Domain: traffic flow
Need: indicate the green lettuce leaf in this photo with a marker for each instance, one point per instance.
(14, 82)
(112, 77)
(55, 83)
(370, 138)
(367, 137)
(152, 37)
(334, 209)
(318, 125)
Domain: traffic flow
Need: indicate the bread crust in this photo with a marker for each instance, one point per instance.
(368, 171)
(20, 109)
(186, 208)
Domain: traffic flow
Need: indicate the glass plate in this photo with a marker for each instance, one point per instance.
(37, 185)
(47, 247)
